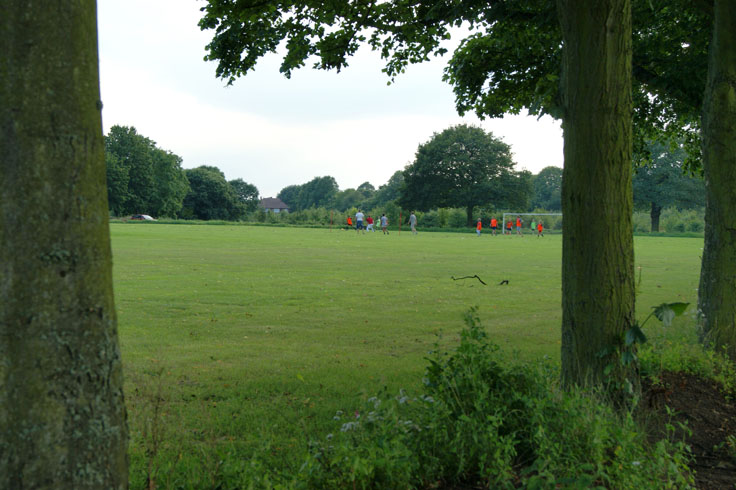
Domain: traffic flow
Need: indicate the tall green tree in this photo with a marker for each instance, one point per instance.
(210, 196)
(289, 195)
(142, 178)
(62, 413)
(171, 185)
(118, 176)
(463, 166)
(348, 198)
(548, 189)
(246, 193)
(133, 152)
(318, 192)
(717, 291)
(598, 295)
(664, 182)
(390, 191)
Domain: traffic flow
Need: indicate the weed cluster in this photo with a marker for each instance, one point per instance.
(485, 421)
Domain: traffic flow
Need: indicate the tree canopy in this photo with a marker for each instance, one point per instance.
(548, 189)
(663, 183)
(210, 196)
(318, 192)
(246, 193)
(510, 61)
(142, 178)
(463, 166)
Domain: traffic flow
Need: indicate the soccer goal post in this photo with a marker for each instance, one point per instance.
(511, 216)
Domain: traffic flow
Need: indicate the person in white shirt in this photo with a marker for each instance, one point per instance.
(359, 221)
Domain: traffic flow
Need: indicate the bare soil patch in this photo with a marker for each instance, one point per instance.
(710, 417)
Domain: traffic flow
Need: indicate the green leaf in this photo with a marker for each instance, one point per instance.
(634, 335)
(666, 312)
(627, 358)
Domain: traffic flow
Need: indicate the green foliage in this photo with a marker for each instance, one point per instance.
(210, 196)
(318, 192)
(247, 194)
(142, 178)
(509, 61)
(463, 166)
(483, 420)
(548, 189)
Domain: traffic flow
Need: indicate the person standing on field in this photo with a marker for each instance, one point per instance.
(494, 225)
(534, 226)
(478, 227)
(413, 222)
(519, 230)
(369, 220)
(384, 224)
(540, 229)
(359, 221)
(350, 223)
(508, 227)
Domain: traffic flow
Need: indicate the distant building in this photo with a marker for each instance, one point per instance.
(274, 205)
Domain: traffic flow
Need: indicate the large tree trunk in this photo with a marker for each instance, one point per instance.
(62, 417)
(717, 293)
(654, 214)
(598, 255)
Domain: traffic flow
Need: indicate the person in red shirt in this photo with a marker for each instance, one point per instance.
(494, 225)
(540, 229)
(350, 223)
(369, 220)
(478, 227)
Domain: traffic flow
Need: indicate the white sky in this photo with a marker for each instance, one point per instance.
(274, 132)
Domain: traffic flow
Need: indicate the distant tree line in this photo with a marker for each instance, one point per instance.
(144, 179)
(461, 167)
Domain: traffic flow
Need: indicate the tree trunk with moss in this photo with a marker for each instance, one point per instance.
(598, 254)
(62, 417)
(717, 292)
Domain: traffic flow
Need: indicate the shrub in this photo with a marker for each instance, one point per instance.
(483, 420)
(457, 218)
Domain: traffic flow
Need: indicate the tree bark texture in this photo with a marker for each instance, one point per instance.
(598, 254)
(717, 292)
(62, 416)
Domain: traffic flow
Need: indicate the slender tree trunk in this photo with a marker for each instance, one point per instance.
(598, 255)
(62, 417)
(717, 292)
(655, 213)
(469, 214)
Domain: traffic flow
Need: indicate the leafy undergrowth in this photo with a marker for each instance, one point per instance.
(483, 421)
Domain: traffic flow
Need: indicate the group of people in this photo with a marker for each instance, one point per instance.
(360, 218)
(537, 226)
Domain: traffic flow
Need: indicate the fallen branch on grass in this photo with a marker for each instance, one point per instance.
(469, 277)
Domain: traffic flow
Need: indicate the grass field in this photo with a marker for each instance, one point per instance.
(238, 339)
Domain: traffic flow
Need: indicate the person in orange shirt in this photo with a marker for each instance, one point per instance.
(350, 223)
(518, 226)
(540, 229)
(494, 225)
(478, 227)
(508, 227)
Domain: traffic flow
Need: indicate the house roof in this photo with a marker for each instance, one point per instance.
(273, 203)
